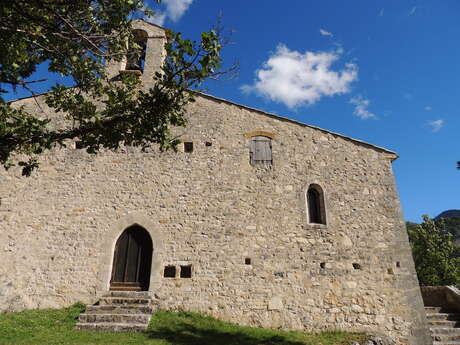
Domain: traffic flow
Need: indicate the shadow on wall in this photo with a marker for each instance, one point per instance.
(446, 297)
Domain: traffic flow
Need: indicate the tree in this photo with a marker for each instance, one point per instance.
(450, 224)
(435, 254)
(76, 38)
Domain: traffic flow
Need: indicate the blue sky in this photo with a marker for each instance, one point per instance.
(386, 72)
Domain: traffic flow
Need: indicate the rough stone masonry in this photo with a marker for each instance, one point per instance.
(230, 239)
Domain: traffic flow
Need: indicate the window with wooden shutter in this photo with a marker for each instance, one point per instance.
(260, 152)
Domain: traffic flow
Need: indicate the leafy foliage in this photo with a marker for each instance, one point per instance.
(450, 224)
(76, 38)
(447, 221)
(434, 252)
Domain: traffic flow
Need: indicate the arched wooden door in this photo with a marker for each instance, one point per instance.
(132, 260)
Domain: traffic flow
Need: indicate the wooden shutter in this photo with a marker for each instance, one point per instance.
(261, 150)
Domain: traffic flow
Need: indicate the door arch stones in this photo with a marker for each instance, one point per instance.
(132, 222)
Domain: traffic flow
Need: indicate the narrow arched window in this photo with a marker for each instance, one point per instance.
(136, 54)
(315, 205)
(260, 151)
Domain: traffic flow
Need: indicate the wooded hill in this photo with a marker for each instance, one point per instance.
(448, 220)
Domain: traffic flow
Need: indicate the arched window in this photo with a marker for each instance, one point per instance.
(136, 57)
(315, 205)
(260, 151)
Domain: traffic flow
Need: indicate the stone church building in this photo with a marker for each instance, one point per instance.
(257, 219)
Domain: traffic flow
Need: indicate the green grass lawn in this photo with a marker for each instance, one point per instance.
(55, 326)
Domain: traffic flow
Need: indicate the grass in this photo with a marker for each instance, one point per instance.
(55, 326)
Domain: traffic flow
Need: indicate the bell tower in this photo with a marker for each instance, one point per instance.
(152, 38)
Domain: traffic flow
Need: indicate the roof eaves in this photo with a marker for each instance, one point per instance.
(357, 141)
(275, 116)
(147, 22)
(31, 96)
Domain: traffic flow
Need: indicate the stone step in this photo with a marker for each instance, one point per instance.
(115, 318)
(432, 309)
(129, 294)
(443, 324)
(446, 338)
(119, 309)
(124, 301)
(125, 286)
(442, 316)
(446, 343)
(445, 331)
(111, 327)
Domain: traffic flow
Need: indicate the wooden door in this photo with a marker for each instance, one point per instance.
(132, 260)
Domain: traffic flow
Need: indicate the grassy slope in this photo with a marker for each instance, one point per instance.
(56, 327)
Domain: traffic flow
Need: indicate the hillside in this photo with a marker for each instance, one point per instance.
(448, 220)
(451, 220)
(448, 214)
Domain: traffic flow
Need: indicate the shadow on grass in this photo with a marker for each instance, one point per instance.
(186, 334)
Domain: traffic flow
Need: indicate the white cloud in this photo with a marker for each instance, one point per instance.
(296, 79)
(412, 11)
(436, 125)
(174, 10)
(361, 105)
(325, 33)
(428, 108)
(382, 11)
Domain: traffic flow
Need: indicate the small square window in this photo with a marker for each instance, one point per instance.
(247, 261)
(188, 147)
(186, 271)
(170, 272)
(208, 143)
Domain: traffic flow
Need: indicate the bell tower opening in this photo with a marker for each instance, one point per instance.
(136, 54)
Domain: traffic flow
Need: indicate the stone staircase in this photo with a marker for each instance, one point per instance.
(118, 311)
(445, 327)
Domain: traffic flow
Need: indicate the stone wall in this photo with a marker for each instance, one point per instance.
(446, 297)
(213, 210)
